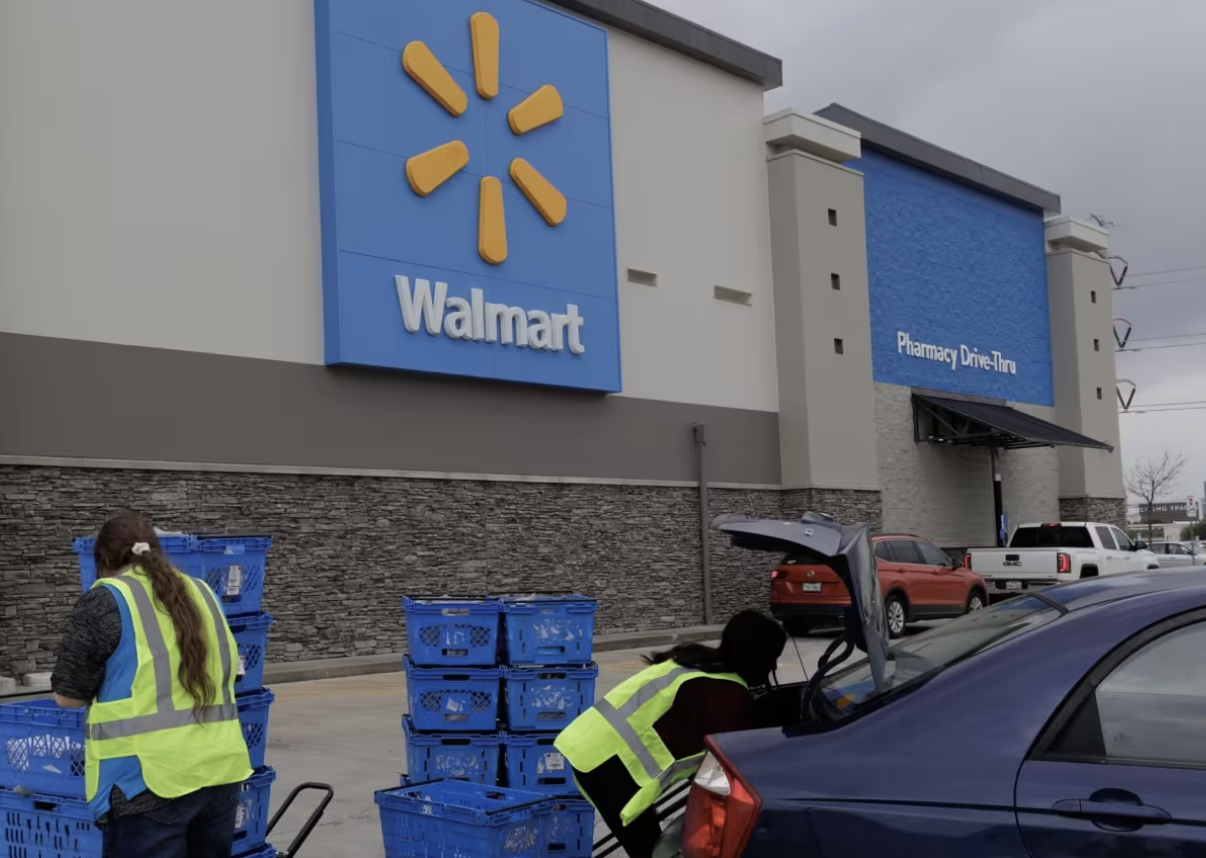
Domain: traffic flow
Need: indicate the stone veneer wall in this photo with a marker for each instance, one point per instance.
(1106, 510)
(846, 505)
(348, 548)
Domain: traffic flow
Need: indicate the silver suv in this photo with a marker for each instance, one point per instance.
(1174, 555)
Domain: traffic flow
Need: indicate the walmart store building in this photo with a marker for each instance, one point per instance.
(464, 296)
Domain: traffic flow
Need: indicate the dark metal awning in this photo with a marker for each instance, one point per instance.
(984, 424)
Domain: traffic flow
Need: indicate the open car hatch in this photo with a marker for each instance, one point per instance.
(846, 549)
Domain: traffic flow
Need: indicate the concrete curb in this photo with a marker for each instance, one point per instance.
(278, 673)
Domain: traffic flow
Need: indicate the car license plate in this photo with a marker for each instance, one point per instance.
(1013, 585)
(810, 588)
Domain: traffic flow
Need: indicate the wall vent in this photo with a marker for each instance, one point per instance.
(733, 296)
(645, 278)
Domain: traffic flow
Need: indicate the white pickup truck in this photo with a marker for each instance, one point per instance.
(1040, 555)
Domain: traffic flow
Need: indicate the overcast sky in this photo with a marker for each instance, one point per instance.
(1100, 101)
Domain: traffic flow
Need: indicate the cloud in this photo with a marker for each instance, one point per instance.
(1097, 100)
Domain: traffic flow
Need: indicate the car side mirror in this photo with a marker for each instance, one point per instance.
(1140, 545)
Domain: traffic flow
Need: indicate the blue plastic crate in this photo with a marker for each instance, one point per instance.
(452, 632)
(251, 816)
(253, 715)
(571, 828)
(44, 745)
(233, 566)
(43, 748)
(453, 699)
(549, 629)
(251, 637)
(547, 698)
(451, 756)
(455, 818)
(181, 553)
(535, 765)
(45, 826)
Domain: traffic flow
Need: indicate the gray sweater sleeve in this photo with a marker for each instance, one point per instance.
(92, 635)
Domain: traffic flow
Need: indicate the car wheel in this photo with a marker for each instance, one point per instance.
(975, 602)
(897, 616)
(797, 628)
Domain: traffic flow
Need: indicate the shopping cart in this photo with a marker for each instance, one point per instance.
(308, 826)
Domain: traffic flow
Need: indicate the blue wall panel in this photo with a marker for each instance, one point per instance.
(955, 269)
(372, 117)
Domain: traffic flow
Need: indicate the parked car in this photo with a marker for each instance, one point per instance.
(1040, 555)
(1063, 723)
(918, 581)
(1172, 555)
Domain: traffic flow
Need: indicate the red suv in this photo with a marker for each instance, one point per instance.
(918, 581)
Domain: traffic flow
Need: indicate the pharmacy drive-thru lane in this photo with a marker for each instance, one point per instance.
(345, 732)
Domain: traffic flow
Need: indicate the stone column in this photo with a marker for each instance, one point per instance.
(822, 319)
(1080, 294)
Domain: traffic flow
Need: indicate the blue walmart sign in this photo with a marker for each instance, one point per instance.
(465, 166)
(958, 286)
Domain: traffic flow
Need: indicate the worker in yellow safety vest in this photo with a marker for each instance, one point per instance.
(648, 733)
(149, 652)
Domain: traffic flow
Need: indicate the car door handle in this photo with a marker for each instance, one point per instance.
(1087, 808)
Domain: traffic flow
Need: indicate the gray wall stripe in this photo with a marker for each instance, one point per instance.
(71, 399)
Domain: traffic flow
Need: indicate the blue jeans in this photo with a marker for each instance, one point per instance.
(197, 825)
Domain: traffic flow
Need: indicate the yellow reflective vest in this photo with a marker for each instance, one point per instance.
(180, 750)
(622, 725)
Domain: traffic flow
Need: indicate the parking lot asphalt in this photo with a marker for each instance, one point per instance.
(347, 732)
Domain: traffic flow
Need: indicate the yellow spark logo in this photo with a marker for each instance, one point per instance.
(428, 171)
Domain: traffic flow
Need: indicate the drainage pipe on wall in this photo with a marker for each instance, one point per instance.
(701, 459)
(998, 503)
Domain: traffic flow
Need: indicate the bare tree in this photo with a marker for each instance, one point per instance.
(1151, 479)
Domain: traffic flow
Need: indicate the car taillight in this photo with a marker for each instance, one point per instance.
(721, 810)
(1063, 562)
(777, 574)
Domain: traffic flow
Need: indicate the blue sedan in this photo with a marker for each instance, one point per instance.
(1062, 724)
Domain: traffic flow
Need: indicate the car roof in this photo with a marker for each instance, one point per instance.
(1188, 584)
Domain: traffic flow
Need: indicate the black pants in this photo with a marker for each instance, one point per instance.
(609, 788)
(197, 825)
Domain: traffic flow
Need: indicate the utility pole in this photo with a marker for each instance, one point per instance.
(701, 445)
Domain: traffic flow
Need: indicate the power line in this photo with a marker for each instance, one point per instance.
(1169, 271)
(1133, 410)
(1163, 404)
(1166, 337)
(1165, 346)
(1161, 283)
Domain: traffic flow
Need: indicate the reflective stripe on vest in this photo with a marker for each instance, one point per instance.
(179, 749)
(166, 714)
(626, 730)
(618, 717)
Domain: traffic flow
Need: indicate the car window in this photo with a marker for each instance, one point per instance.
(917, 658)
(905, 551)
(1149, 710)
(884, 551)
(933, 555)
(1107, 538)
(1124, 542)
(798, 560)
(1178, 549)
(1051, 536)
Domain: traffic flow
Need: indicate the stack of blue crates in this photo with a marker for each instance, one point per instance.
(491, 682)
(42, 765)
